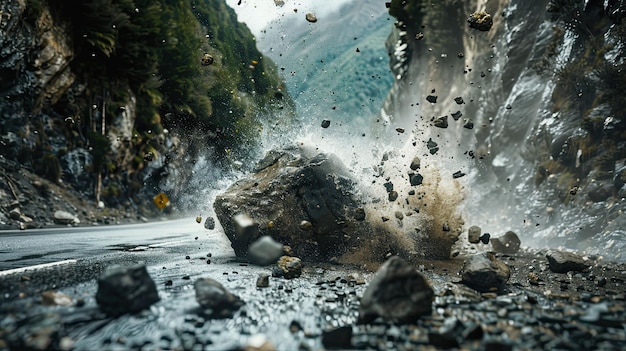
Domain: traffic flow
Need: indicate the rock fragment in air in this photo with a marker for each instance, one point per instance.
(325, 123)
(416, 179)
(484, 272)
(310, 17)
(473, 234)
(125, 289)
(459, 100)
(265, 251)
(480, 20)
(468, 124)
(563, 262)
(279, 3)
(509, 243)
(458, 174)
(432, 99)
(207, 60)
(199, 219)
(432, 146)
(456, 115)
(441, 122)
(415, 163)
(397, 293)
(215, 299)
(209, 223)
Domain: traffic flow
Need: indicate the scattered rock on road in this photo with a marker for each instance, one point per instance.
(484, 272)
(125, 289)
(509, 243)
(215, 299)
(563, 262)
(265, 251)
(397, 293)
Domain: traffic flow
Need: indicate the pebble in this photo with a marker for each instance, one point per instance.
(125, 289)
(563, 262)
(265, 251)
(484, 272)
(473, 234)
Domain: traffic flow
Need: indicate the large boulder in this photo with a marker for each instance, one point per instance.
(288, 188)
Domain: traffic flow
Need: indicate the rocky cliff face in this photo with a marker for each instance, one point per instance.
(541, 91)
(116, 101)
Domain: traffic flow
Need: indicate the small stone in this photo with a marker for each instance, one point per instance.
(306, 225)
(207, 60)
(480, 20)
(459, 100)
(456, 115)
(215, 299)
(400, 130)
(432, 99)
(263, 281)
(125, 289)
(265, 251)
(359, 214)
(325, 123)
(484, 272)
(419, 36)
(399, 215)
(310, 17)
(468, 124)
(509, 243)
(458, 174)
(473, 234)
(209, 223)
(432, 146)
(485, 238)
(397, 293)
(338, 338)
(563, 262)
(415, 163)
(416, 179)
(291, 267)
(441, 122)
(55, 298)
(393, 195)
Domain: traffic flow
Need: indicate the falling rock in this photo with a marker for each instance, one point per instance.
(325, 123)
(125, 289)
(62, 217)
(480, 20)
(441, 122)
(207, 60)
(393, 196)
(459, 100)
(432, 146)
(215, 299)
(485, 238)
(209, 223)
(473, 234)
(265, 251)
(563, 262)
(456, 115)
(484, 272)
(416, 163)
(287, 187)
(416, 179)
(468, 124)
(288, 267)
(509, 243)
(263, 281)
(432, 99)
(397, 293)
(310, 17)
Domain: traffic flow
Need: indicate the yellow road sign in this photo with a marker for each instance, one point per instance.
(161, 200)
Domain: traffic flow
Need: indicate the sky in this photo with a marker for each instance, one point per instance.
(258, 13)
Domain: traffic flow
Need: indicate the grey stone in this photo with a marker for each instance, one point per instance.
(473, 234)
(288, 267)
(209, 223)
(563, 262)
(62, 217)
(509, 243)
(480, 20)
(265, 251)
(213, 297)
(397, 293)
(125, 289)
(484, 272)
(415, 163)
(441, 122)
(415, 179)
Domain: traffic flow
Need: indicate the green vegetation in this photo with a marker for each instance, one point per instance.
(150, 52)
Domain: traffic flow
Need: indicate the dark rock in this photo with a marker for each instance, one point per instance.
(456, 115)
(207, 60)
(62, 217)
(215, 299)
(397, 293)
(484, 272)
(441, 122)
(263, 281)
(291, 267)
(338, 338)
(125, 289)
(459, 100)
(288, 187)
(485, 238)
(388, 186)
(265, 251)
(480, 20)
(473, 234)
(325, 123)
(415, 163)
(600, 192)
(209, 223)
(359, 214)
(458, 174)
(563, 262)
(310, 17)
(416, 179)
(509, 243)
(432, 146)
(393, 195)
(432, 99)
(468, 124)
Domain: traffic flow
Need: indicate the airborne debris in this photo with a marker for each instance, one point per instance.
(400, 130)
(432, 146)
(207, 60)
(279, 3)
(459, 100)
(419, 36)
(441, 122)
(432, 99)
(199, 219)
(468, 124)
(325, 123)
(310, 17)
(480, 20)
(456, 115)
(458, 174)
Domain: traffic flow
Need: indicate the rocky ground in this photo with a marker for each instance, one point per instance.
(29, 201)
(323, 308)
